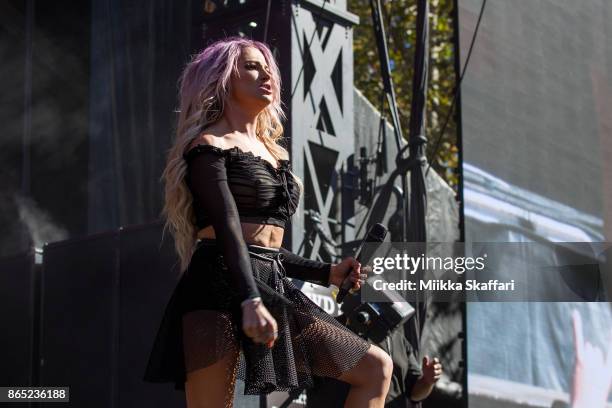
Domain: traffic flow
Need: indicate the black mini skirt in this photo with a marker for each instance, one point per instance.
(202, 324)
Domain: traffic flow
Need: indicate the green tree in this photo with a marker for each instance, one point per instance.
(399, 17)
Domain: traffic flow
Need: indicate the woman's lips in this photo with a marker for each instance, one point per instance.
(266, 88)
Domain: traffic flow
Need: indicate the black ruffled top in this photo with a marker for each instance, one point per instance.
(262, 193)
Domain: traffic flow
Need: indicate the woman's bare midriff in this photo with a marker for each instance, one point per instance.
(256, 234)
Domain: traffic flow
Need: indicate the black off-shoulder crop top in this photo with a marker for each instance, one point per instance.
(263, 193)
(230, 186)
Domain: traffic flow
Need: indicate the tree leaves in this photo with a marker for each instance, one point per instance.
(400, 25)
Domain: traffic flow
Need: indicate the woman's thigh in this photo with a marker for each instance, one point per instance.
(211, 359)
(332, 350)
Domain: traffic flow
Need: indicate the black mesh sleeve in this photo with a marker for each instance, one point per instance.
(208, 182)
(306, 269)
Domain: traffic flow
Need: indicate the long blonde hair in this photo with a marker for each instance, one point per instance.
(204, 91)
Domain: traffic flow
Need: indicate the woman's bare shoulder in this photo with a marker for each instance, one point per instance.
(207, 138)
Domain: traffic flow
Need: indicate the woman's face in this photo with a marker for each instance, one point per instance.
(253, 85)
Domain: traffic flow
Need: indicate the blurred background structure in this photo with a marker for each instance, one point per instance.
(536, 142)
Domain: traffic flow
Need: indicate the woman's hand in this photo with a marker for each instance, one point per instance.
(258, 323)
(340, 271)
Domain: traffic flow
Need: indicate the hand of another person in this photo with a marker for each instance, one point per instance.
(340, 271)
(592, 370)
(432, 370)
(258, 324)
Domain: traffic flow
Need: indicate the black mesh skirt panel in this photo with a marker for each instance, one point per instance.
(202, 324)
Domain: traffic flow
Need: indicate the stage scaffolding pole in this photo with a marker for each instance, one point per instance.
(413, 207)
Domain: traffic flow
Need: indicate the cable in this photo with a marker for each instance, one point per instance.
(457, 87)
(265, 36)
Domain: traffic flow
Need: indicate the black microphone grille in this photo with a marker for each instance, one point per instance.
(377, 233)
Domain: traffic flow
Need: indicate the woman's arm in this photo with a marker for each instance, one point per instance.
(306, 269)
(208, 183)
(323, 273)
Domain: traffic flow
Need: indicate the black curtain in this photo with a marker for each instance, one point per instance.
(138, 49)
(89, 93)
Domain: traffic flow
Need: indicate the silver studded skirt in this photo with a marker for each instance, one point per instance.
(201, 326)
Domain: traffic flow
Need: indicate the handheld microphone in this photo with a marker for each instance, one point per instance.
(376, 234)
